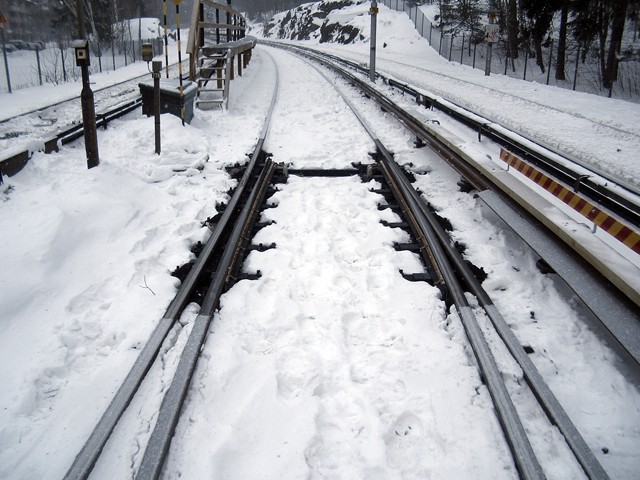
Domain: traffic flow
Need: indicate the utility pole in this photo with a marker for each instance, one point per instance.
(86, 97)
(372, 57)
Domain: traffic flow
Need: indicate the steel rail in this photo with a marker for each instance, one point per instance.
(524, 457)
(601, 194)
(434, 231)
(450, 155)
(90, 452)
(77, 97)
(169, 415)
(473, 175)
(13, 164)
(547, 400)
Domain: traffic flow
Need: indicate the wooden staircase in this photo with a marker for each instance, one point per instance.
(214, 76)
(217, 38)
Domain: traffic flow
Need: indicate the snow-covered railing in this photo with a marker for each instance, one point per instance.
(213, 23)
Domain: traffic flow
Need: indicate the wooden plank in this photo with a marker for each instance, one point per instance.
(219, 6)
(221, 26)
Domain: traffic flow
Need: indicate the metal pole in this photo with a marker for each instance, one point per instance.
(156, 69)
(575, 74)
(177, 2)
(217, 29)
(475, 46)
(506, 61)
(64, 68)
(39, 67)
(6, 61)
(86, 99)
(372, 57)
(492, 18)
(228, 22)
(550, 60)
(166, 40)
(613, 80)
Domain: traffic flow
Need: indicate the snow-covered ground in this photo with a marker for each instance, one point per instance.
(334, 367)
(28, 68)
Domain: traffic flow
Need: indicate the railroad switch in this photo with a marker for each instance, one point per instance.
(465, 186)
(445, 223)
(181, 271)
(417, 277)
(261, 247)
(260, 225)
(403, 225)
(544, 267)
(406, 247)
(389, 206)
(248, 276)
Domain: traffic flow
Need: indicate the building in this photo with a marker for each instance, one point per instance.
(28, 20)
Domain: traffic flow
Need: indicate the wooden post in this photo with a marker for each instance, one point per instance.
(219, 64)
(240, 64)
(232, 70)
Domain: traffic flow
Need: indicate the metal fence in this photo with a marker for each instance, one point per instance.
(580, 75)
(54, 63)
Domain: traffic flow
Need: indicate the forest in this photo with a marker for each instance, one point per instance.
(606, 29)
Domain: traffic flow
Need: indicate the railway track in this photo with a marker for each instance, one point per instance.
(619, 316)
(60, 123)
(236, 232)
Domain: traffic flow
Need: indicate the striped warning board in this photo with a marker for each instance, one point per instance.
(602, 219)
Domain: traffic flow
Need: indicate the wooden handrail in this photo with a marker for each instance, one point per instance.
(234, 27)
(221, 26)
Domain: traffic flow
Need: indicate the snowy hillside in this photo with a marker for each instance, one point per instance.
(339, 21)
(344, 22)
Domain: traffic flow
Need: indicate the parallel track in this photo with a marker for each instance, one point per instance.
(451, 272)
(50, 142)
(596, 191)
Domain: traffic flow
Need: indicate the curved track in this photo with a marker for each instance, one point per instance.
(445, 269)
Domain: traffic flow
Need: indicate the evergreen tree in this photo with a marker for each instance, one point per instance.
(540, 18)
(562, 41)
(512, 25)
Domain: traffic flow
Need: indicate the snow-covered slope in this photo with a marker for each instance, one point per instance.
(338, 21)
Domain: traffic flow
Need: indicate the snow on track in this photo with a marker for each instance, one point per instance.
(345, 370)
(343, 384)
(312, 127)
(80, 248)
(599, 131)
(332, 365)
